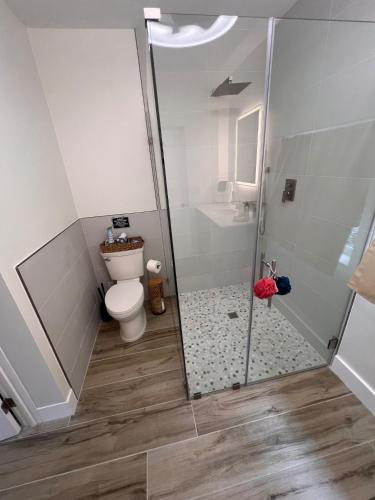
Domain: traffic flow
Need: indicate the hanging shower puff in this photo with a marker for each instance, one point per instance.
(265, 288)
(283, 285)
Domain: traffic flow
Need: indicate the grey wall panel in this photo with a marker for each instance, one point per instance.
(61, 283)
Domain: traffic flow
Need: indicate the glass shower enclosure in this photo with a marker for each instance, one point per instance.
(267, 162)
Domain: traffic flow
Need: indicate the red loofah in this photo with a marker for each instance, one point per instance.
(264, 288)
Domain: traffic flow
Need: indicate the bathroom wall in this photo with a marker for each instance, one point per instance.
(92, 86)
(198, 133)
(61, 283)
(322, 131)
(59, 275)
(354, 361)
(36, 203)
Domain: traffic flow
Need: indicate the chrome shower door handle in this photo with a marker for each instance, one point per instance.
(272, 272)
(271, 266)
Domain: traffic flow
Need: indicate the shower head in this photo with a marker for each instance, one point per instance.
(229, 88)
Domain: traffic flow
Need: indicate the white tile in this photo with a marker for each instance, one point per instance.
(347, 97)
(193, 266)
(321, 316)
(339, 6)
(324, 240)
(181, 90)
(176, 172)
(283, 222)
(317, 9)
(298, 52)
(232, 277)
(191, 128)
(354, 10)
(350, 202)
(294, 155)
(347, 44)
(235, 260)
(344, 152)
(292, 112)
(330, 282)
(202, 172)
(192, 283)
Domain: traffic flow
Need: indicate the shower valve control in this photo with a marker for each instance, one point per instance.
(289, 190)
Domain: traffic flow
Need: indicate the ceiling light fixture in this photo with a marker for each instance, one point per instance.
(191, 35)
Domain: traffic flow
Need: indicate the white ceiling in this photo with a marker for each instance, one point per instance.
(128, 13)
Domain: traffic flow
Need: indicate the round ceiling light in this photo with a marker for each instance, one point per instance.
(191, 35)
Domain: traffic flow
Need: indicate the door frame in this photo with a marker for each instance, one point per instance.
(261, 196)
(12, 387)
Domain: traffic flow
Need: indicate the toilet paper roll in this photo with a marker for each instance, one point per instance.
(153, 266)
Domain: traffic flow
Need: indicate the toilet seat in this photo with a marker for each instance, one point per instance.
(123, 299)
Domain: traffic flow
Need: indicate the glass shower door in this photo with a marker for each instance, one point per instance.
(320, 142)
(210, 102)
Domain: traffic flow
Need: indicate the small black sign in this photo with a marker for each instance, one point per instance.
(119, 222)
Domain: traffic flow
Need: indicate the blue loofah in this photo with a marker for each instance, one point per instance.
(283, 285)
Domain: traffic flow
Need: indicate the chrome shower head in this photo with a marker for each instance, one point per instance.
(227, 87)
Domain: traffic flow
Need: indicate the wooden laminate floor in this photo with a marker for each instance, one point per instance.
(135, 436)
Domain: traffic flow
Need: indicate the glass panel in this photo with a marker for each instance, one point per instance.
(202, 92)
(321, 134)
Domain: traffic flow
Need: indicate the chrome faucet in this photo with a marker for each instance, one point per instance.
(249, 204)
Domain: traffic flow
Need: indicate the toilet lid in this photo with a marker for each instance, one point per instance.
(124, 297)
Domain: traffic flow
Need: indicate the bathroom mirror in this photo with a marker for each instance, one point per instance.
(247, 145)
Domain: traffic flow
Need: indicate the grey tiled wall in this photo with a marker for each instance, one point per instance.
(61, 282)
(145, 224)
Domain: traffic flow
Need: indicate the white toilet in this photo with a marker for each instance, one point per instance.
(124, 301)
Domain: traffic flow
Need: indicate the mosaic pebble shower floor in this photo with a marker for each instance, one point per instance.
(215, 326)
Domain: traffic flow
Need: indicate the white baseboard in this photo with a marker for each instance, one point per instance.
(59, 410)
(364, 392)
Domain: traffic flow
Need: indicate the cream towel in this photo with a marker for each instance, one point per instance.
(363, 278)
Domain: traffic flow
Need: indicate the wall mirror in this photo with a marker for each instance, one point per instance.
(247, 147)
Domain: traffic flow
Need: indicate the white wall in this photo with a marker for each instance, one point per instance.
(92, 86)
(354, 362)
(35, 199)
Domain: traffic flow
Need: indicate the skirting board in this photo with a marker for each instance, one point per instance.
(364, 392)
(60, 410)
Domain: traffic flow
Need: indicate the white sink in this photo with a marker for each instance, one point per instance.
(223, 214)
